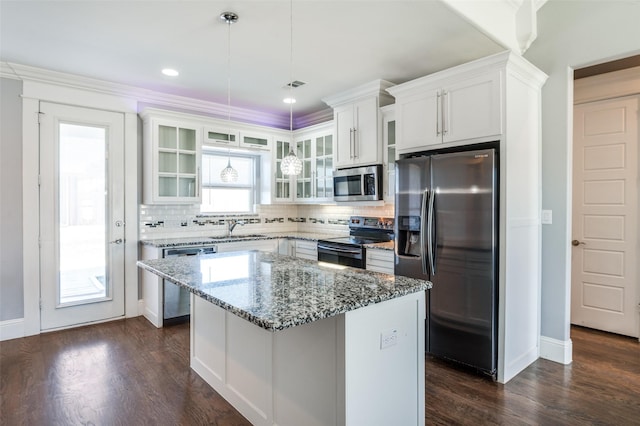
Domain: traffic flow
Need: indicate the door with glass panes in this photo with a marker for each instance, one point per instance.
(82, 225)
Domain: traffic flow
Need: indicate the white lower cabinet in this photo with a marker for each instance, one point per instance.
(380, 261)
(319, 373)
(151, 286)
(306, 249)
(298, 248)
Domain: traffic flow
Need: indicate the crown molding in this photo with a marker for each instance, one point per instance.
(29, 73)
(313, 118)
(7, 72)
(373, 88)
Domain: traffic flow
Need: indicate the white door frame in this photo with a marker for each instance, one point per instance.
(54, 312)
(611, 85)
(33, 92)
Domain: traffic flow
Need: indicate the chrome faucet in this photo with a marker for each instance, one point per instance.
(232, 224)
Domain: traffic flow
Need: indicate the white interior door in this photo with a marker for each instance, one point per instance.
(81, 215)
(604, 270)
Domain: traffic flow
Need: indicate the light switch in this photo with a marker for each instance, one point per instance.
(547, 217)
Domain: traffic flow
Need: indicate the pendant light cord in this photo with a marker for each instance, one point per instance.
(291, 70)
(229, 22)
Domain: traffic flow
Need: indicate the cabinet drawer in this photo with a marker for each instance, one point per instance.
(380, 261)
(307, 250)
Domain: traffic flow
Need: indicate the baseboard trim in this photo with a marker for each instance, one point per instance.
(519, 364)
(11, 329)
(140, 307)
(560, 351)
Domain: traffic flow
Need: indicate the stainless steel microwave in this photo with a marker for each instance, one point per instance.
(358, 184)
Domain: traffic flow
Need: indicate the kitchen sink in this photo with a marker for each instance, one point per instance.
(240, 237)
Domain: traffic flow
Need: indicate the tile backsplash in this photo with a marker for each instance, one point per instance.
(168, 221)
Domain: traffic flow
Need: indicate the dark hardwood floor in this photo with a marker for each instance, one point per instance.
(129, 373)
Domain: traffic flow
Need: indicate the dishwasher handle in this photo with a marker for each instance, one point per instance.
(190, 251)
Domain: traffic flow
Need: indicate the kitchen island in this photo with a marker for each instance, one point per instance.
(289, 341)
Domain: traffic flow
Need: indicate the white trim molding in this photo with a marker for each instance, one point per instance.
(11, 329)
(145, 96)
(607, 86)
(556, 350)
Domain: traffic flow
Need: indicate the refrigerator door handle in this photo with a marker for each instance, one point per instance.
(423, 216)
(431, 235)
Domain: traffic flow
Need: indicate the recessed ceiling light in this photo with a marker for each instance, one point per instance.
(170, 72)
(289, 100)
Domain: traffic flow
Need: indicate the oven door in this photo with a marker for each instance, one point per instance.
(341, 254)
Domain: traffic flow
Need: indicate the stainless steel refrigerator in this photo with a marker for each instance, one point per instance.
(446, 231)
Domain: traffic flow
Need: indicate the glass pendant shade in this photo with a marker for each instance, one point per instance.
(291, 164)
(229, 174)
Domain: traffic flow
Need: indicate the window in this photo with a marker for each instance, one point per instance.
(231, 197)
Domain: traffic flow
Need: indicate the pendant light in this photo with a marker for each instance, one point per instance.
(229, 174)
(291, 164)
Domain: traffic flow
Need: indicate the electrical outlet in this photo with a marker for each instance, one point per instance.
(388, 338)
(547, 217)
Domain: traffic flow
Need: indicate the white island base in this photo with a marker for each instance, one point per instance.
(364, 367)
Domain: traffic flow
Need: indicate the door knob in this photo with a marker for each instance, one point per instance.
(577, 243)
(118, 241)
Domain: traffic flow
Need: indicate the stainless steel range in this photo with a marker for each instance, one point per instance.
(350, 251)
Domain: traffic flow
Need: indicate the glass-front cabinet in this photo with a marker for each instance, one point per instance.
(324, 167)
(171, 161)
(254, 140)
(281, 184)
(303, 180)
(177, 162)
(220, 136)
(315, 147)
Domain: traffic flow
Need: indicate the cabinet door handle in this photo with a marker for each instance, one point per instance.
(438, 108)
(197, 181)
(445, 117)
(355, 143)
(351, 143)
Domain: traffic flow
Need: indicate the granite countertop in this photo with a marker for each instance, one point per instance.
(276, 292)
(198, 241)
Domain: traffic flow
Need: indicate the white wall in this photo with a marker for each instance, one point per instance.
(571, 34)
(11, 289)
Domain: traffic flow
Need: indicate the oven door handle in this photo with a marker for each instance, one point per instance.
(330, 249)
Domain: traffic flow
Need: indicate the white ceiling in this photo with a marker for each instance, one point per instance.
(337, 45)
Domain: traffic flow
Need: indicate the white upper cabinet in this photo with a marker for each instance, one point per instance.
(281, 183)
(357, 122)
(255, 140)
(455, 105)
(171, 160)
(315, 148)
(357, 133)
(220, 136)
(389, 152)
(471, 108)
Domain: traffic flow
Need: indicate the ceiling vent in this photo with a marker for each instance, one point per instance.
(294, 84)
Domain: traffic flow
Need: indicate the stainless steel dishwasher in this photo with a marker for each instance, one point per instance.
(175, 299)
